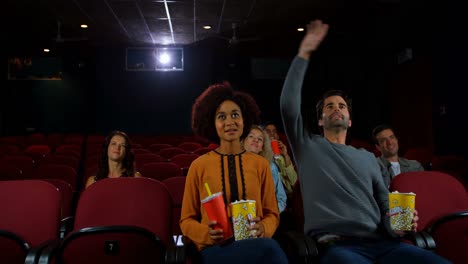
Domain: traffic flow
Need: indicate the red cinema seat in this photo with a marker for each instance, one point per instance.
(176, 186)
(160, 170)
(156, 147)
(61, 172)
(168, 153)
(190, 146)
(30, 217)
(442, 204)
(184, 161)
(120, 220)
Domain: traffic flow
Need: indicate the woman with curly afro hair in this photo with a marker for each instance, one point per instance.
(224, 115)
(116, 160)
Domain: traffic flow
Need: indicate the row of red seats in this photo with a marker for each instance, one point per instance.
(123, 220)
(56, 139)
(53, 140)
(21, 167)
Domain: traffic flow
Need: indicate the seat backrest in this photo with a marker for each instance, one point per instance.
(156, 147)
(22, 162)
(77, 139)
(120, 220)
(55, 139)
(30, 209)
(297, 207)
(36, 138)
(360, 143)
(437, 194)
(58, 159)
(92, 159)
(160, 170)
(137, 151)
(171, 139)
(69, 150)
(66, 196)
(42, 150)
(20, 141)
(56, 171)
(168, 153)
(454, 165)
(66, 147)
(176, 186)
(95, 139)
(190, 146)
(184, 160)
(93, 149)
(142, 159)
(423, 155)
(10, 172)
(123, 201)
(202, 151)
(8, 149)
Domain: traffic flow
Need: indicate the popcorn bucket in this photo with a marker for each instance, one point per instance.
(401, 207)
(242, 212)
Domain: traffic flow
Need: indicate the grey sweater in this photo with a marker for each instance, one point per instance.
(342, 187)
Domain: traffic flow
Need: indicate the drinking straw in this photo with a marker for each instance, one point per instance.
(207, 188)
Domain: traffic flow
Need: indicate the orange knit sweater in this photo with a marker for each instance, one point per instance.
(259, 186)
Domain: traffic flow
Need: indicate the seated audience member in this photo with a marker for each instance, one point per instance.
(344, 196)
(258, 142)
(117, 159)
(224, 115)
(287, 172)
(390, 163)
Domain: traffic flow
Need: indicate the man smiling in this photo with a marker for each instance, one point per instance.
(390, 163)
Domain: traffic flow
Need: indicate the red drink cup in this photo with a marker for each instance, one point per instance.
(216, 211)
(275, 147)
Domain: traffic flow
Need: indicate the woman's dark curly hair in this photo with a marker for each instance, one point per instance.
(127, 162)
(205, 106)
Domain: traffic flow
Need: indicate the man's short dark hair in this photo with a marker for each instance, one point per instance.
(342, 94)
(379, 129)
(267, 123)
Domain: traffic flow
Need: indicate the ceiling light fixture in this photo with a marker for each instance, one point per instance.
(207, 27)
(84, 26)
(164, 58)
(169, 59)
(46, 50)
(300, 29)
(169, 21)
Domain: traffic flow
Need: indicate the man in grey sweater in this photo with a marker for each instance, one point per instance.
(344, 196)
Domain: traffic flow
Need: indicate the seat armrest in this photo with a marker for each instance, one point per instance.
(190, 251)
(417, 238)
(44, 252)
(298, 247)
(430, 242)
(175, 254)
(66, 225)
(447, 218)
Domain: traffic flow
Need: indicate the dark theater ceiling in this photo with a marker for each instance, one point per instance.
(181, 22)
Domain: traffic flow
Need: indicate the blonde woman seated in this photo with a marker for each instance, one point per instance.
(258, 142)
(117, 159)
